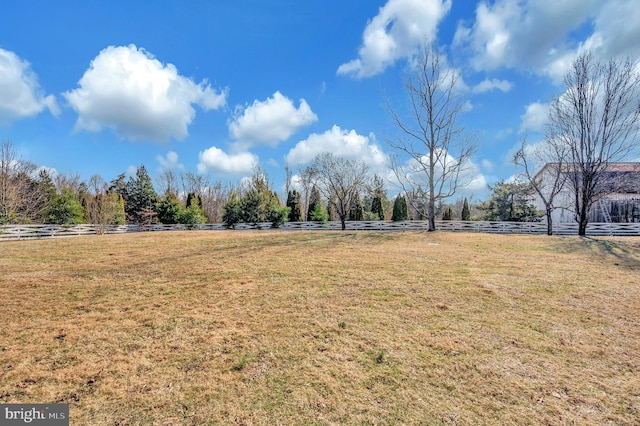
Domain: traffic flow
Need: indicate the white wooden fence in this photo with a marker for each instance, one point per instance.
(17, 232)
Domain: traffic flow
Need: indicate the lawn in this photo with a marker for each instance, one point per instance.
(301, 327)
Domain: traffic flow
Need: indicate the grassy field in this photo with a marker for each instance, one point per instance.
(264, 327)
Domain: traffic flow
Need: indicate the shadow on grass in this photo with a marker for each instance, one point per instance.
(618, 252)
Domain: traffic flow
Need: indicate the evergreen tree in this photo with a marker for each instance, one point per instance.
(377, 208)
(379, 200)
(140, 197)
(44, 186)
(119, 215)
(319, 214)
(466, 211)
(314, 199)
(169, 209)
(193, 200)
(119, 186)
(332, 212)
(400, 209)
(510, 202)
(65, 209)
(294, 203)
(356, 212)
(232, 213)
(193, 214)
(447, 214)
(259, 204)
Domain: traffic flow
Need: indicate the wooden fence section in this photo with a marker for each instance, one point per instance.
(18, 232)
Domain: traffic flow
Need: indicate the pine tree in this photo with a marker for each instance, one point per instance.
(140, 197)
(169, 209)
(379, 198)
(294, 204)
(232, 212)
(356, 212)
(314, 199)
(65, 209)
(510, 201)
(259, 204)
(447, 214)
(466, 211)
(377, 208)
(400, 209)
(319, 214)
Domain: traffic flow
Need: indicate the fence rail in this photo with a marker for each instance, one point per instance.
(18, 232)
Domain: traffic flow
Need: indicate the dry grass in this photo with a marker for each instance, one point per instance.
(323, 328)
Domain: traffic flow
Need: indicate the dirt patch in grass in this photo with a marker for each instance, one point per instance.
(323, 328)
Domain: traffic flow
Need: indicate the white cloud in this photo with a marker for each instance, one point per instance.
(170, 161)
(269, 122)
(342, 143)
(546, 35)
(516, 33)
(395, 33)
(615, 34)
(20, 93)
(128, 90)
(535, 117)
(51, 171)
(488, 85)
(216, 160)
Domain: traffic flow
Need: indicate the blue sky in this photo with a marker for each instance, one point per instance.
(211, 87)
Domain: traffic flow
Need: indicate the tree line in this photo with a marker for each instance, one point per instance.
(329, 189)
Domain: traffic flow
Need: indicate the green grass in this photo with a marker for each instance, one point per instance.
(277, 327)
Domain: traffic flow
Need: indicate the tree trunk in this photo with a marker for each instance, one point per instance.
(582, 224)
(432, 210)
(583, 212)
(343, 222)
(549, 222)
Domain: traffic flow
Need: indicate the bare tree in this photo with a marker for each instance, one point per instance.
(103, 207)
(288, 177)
(597, 118)
(549, 182)
(97, 184)
(306, 184)
(435, 153)
(70, 181)
(214, 197)
(193, 183)
(339, 180)
(22, 199)
(167, 182)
